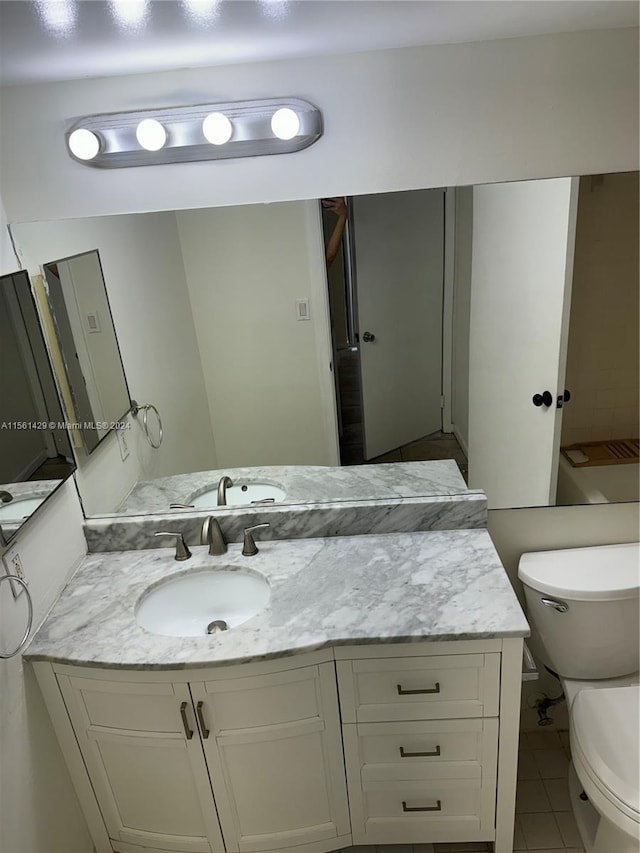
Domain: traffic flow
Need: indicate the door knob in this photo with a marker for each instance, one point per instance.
(368, 337)
(563, 398)
(544, 399)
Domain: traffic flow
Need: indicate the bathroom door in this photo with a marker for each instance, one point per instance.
(399, 265)
(521, 275)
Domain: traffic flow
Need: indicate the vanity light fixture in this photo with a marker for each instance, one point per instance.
(192, 133)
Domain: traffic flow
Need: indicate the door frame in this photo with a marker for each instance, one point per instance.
(319, 290)
(448, 287)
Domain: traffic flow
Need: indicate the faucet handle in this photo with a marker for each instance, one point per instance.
(182, 552)
(211, 535)
(249, 547)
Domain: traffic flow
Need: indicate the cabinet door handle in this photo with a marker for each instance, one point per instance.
(403, 692)
(436, 808)
(183, 713)
(404, 754)
(203, 726)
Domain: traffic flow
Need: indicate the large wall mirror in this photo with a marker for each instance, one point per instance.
(35, 452)
(90, 374)
(419, 325)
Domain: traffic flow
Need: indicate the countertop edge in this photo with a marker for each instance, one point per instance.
(281, 653)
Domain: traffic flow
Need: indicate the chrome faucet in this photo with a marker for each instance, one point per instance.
(211, 535)
(5, 497)
(249, 547)
(223, 485)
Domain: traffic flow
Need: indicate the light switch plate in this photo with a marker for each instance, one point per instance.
(303, 311)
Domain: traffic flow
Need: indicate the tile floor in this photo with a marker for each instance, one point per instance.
(438, 445)
(544, 821)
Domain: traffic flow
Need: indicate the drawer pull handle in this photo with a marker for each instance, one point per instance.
(436, 808)
(203, 725)
(402, 692)
(183, 713)
(404, 754)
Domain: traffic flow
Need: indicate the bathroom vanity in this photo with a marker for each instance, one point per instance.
(375, 700)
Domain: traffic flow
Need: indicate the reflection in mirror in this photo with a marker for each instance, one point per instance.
(35, 454)
(534, 244)
(92, 379)
(225, 326)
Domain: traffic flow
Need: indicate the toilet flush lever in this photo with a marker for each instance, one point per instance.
(560, 606)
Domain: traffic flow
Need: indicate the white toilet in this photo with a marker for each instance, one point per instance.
(583, 604)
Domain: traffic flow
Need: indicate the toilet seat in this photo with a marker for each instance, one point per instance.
(605, 746)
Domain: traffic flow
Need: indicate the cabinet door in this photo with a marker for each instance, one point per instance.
(141, 747)
(274, 752)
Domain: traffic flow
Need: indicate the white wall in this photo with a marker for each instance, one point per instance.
(245, 268)
(432, 116)
(39, 812)
(142, 263)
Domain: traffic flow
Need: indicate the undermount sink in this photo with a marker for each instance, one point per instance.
(19, 508)
(190, 604)
(240, 495)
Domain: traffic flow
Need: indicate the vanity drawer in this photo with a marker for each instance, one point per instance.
(443, 749)
(421, 688)
(424, 811)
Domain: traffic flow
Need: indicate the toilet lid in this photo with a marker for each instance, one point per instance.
(605, 727)
(599, 573)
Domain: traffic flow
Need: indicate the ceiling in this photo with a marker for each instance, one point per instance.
(45, 40)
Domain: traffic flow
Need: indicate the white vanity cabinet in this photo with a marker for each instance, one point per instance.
(245, 758)
(251, 758)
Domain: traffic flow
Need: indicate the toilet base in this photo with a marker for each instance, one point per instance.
(598, 834)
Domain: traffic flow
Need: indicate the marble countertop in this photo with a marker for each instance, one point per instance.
(40, 489)
(306, 484)
(391, 588)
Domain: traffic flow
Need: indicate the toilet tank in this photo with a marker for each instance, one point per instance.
(582, 604)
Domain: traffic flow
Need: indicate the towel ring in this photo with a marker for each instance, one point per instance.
(24, 639)
(144, 408)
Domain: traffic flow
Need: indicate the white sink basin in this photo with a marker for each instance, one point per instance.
(186, 605)
(19, 508)
(239, 495)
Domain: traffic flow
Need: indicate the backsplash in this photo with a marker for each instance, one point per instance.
(342, 518)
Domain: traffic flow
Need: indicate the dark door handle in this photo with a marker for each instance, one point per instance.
(563, 398)
(544, 399)
(368, 337)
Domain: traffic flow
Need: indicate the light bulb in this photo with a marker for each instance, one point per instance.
(151, 134)
(84, 144)
(58, 16)
(129, 14)
(201, 11)
(285, 123)
(217, 128)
